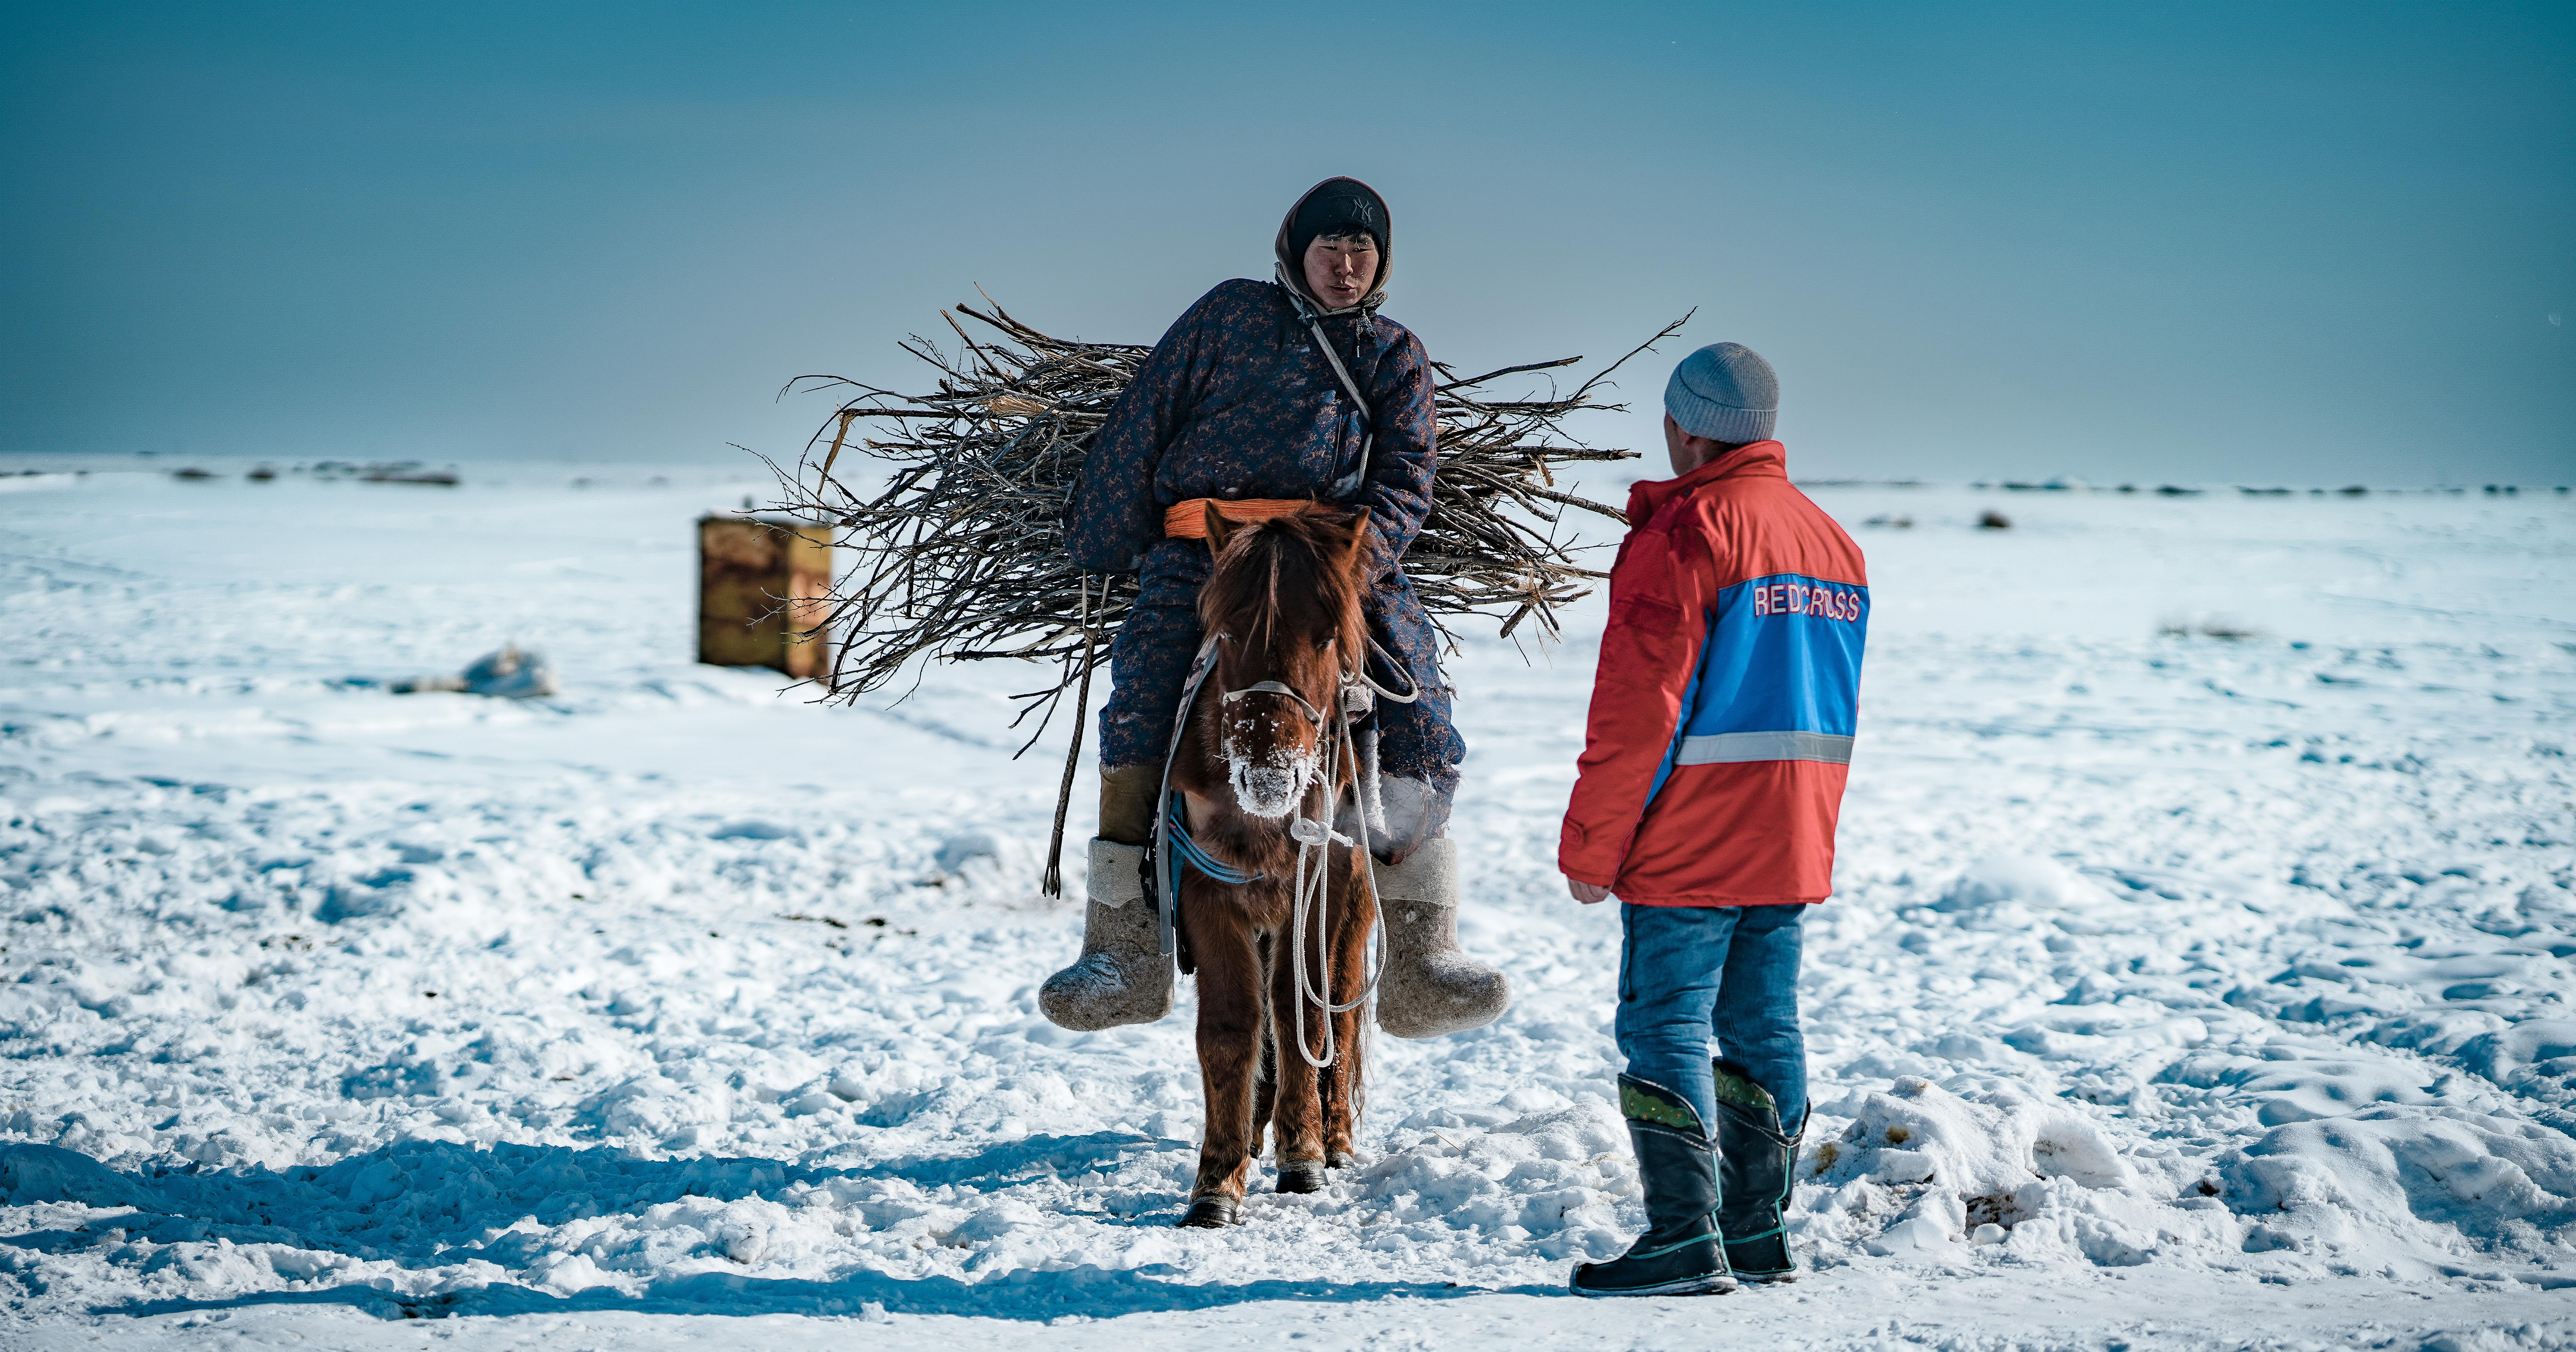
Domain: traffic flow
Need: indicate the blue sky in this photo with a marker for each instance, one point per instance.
(2238, 243)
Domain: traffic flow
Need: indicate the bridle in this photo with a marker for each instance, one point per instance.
(1309, 893)
(1313, 714)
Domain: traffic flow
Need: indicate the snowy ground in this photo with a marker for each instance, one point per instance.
(2182, 990)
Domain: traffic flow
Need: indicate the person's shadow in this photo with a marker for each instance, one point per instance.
(436, 1204)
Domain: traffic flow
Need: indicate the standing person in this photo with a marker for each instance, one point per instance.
(1712, 773)
(1263, 394)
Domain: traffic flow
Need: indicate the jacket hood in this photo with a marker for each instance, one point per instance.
(1292, 271)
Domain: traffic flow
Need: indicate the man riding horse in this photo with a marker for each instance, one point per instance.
(1262, 395)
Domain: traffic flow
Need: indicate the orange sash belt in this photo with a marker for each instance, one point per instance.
(1188, 520)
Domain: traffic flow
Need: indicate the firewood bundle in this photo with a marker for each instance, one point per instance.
(957, 537)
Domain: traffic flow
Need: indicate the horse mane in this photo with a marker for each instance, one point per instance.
(1270, 570)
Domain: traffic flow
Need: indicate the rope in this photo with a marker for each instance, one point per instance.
(1392, 665)
(1310, 893)
(1053, 883)
(1314, 317)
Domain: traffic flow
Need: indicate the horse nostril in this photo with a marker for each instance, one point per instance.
(1270, 788)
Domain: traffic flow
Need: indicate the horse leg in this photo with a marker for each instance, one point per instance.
(1344, 1088)
(1300, 1115)
(1231, 1012)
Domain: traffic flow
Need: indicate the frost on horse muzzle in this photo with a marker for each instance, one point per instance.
(1271, 780)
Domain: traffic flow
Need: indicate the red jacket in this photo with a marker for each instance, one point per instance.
(1724, 708)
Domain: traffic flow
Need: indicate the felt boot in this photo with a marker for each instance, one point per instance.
(1122, 975)
(1680, 1253)
(1429, 987)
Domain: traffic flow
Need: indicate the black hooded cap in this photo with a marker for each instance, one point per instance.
(1333, 207)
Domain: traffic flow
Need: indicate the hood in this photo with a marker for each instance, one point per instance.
(1292, 271)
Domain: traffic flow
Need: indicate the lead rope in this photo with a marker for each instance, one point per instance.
(1310, 891)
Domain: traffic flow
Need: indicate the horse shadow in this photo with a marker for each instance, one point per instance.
(438, 1204)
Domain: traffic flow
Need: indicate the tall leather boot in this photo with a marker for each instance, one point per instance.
(1122, 976)
(1429, 988)
(1755, 1160)
(1680, 1253)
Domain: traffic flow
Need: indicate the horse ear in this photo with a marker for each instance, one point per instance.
(1219, 530)
(1359, 538)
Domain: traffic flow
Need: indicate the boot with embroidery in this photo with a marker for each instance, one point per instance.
(1755, 1159)
(1680, 1253)
(1429, 987)
(1122, 976)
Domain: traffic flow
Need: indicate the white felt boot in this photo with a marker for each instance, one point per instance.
(1430, 988)
(1122, 975)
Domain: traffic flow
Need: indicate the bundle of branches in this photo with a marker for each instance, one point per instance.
(960, 551)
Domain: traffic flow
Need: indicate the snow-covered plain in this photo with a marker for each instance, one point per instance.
(2181, 990)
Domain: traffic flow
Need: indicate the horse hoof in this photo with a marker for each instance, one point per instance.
(1301, 1176)
(1341, 1159)
(1212, 1213)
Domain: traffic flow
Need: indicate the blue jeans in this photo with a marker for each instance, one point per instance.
(1688, 974)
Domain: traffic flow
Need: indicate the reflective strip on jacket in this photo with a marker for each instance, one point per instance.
(1723, 711)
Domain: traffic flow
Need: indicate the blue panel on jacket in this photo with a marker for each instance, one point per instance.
(1783, 655)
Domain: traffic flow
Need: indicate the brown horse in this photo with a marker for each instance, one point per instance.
(1261, 752)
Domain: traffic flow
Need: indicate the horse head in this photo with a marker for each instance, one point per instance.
(1285, 593)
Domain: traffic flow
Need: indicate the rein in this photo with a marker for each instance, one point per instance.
(1310, 891)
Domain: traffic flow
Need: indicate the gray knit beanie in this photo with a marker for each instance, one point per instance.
(1724, 392)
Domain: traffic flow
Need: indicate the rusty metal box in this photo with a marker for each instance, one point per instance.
(762, 584)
